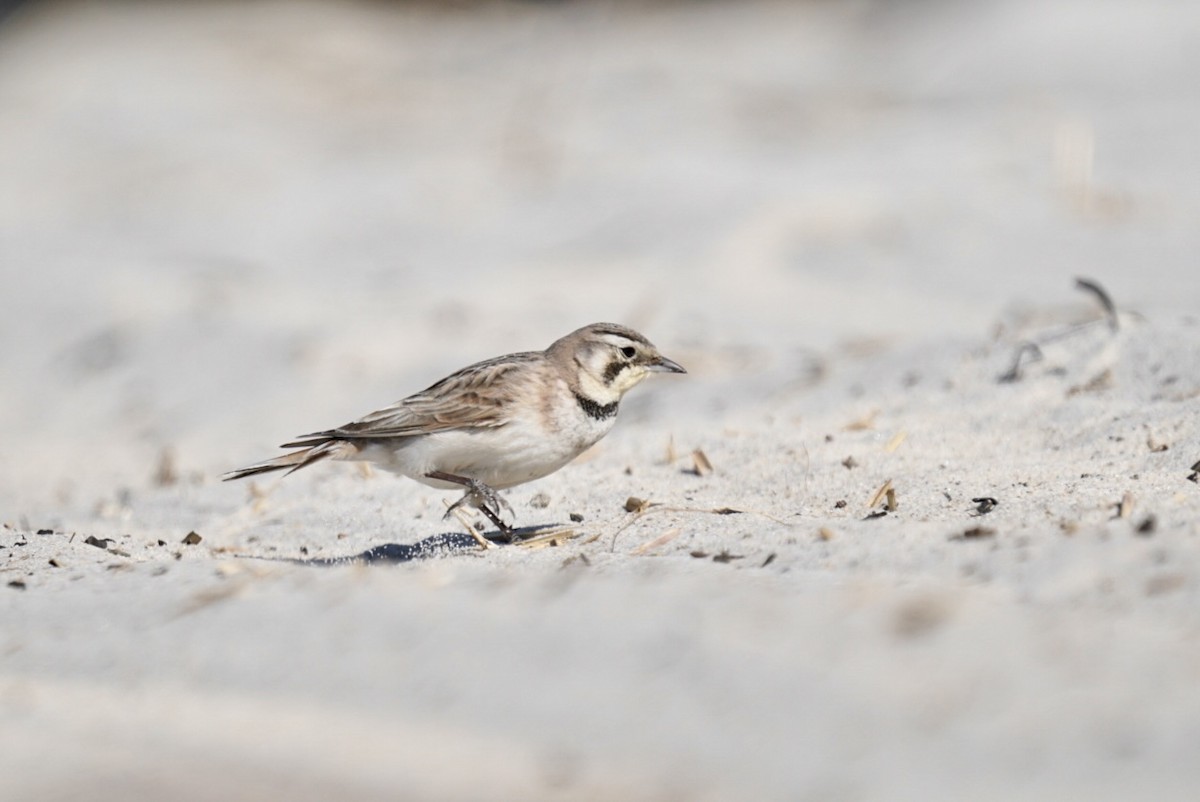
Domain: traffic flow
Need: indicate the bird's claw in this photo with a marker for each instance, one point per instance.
(482, 497)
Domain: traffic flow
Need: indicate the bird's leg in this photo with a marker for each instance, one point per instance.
(482, 497)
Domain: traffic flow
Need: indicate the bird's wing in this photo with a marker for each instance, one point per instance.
(476, 397)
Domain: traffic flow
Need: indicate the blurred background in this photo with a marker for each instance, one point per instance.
(224, 223)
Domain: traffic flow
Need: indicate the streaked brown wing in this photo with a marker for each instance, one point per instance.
(473, 398)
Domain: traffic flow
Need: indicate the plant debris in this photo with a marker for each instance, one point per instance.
(1125, 506)
(726, 511)
(725, 557)
(975, 533)
(17, 584)
(985, 504)
(879, 494)
(575, 517)
(191, 539)
(896, 441)
(582, 559)
(700, 463)
(1110, 309)
(824, 533)
(770, 559)
(657, 542)
(1013, 374)
(1098, 383)
(635, 504)
(165, 474)
(862, 424)
(849, 463)
(99, 542)
(1147, 526)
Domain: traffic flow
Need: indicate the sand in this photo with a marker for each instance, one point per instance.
(223, 226)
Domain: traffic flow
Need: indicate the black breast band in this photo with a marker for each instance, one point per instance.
(594, 410)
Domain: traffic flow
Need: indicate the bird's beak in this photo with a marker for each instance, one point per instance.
(664, 365)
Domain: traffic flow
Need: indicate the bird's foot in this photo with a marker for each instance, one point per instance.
(481, 496)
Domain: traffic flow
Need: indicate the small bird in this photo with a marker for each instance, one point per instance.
(495, 424)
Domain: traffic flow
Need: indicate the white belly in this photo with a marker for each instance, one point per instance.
(518, 452)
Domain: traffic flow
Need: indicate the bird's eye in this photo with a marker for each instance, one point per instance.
(628, 351)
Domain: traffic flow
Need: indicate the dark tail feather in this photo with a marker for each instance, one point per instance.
(293, 462)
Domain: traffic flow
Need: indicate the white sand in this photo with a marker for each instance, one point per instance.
(221, 227)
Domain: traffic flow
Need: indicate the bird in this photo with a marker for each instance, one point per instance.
(495, 424)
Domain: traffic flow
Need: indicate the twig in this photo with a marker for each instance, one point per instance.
(699, 510)
(1087, 285)
(483, 542)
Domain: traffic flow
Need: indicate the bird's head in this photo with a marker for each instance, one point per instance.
(610, 360)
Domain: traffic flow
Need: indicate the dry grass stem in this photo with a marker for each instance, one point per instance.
(658, 542)
(879, 494)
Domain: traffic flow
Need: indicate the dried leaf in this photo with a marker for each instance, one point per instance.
(635, 504)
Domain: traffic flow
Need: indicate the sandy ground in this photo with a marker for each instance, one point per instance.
(223, 225)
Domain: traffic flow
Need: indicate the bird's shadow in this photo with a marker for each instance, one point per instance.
(445, 544)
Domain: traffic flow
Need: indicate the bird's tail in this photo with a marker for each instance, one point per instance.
(292, 462)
